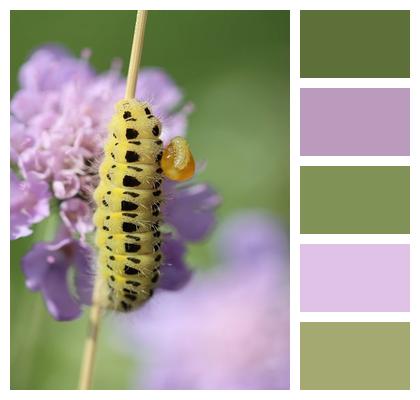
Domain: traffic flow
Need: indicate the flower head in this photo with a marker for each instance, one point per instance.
(59, 124)
(226, 330)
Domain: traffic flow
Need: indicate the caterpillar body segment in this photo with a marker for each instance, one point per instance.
(140, 243)
(128, 151)
(121, 199)
(128, 200)
(137, 176)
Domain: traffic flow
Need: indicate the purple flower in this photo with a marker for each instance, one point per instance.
(228, 329)
(174, 272)
(50, 66)
(76, 215)
(29, 204)
(46, 268)
(58, 127)
(198, 201)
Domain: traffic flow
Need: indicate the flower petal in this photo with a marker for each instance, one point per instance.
(174, 272)
(77, 216)
(60, 303)
(35, 265)
(84, 275)
(51, 66)
(65, 185)
(191, 210)
(29, 204)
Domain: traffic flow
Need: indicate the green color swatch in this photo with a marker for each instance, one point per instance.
(355, 200)
(355, 44)
(355, 355)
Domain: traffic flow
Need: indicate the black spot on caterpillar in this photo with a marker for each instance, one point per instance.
(133, 283)
(134, 260)
(137, 239)
(125, 306)
(137, 169)
(159, 156)
(130, 271)
(129, 227)
(155, 277)
(132, 248)
(129, 215)
(130, 181)
(131, 297)
(127, 116)
(131, 133)
(132, 156)
(132, 194)
(128, 206)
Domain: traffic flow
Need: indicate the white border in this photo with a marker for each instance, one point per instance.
(296, 83)
(355, 160)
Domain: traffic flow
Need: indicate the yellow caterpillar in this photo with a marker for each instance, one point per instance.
(128, 200)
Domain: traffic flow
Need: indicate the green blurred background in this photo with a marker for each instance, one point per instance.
(234, 66)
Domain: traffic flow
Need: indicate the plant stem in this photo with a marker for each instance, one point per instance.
(88, 362)
(135, 57)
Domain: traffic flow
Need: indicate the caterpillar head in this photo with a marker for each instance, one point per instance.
(134, 120)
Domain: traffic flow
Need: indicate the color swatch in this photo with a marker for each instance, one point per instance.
(355, 122)
(353, 43)
(355, 199)
(355, 355)
(364, 195)
(355, 278)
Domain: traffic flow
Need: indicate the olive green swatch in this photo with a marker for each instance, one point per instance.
(355, 200)
(355, 44)
(355, 355)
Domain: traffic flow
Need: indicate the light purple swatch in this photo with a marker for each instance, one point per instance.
(355, 122)
(373, 277)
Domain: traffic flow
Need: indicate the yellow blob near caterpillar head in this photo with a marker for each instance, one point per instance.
(177, 161)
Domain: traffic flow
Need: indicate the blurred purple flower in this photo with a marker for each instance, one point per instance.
(59, 121)
(228, 329)
(174, 272)
(198, 201)
(29, 204)
(46, 268)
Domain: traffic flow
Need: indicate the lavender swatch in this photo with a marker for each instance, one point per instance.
(355, 122)
(354, 278)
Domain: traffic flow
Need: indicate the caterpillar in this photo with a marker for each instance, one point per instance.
(128, 200)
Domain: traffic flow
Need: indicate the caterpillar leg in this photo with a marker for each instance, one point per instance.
(177, 161)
